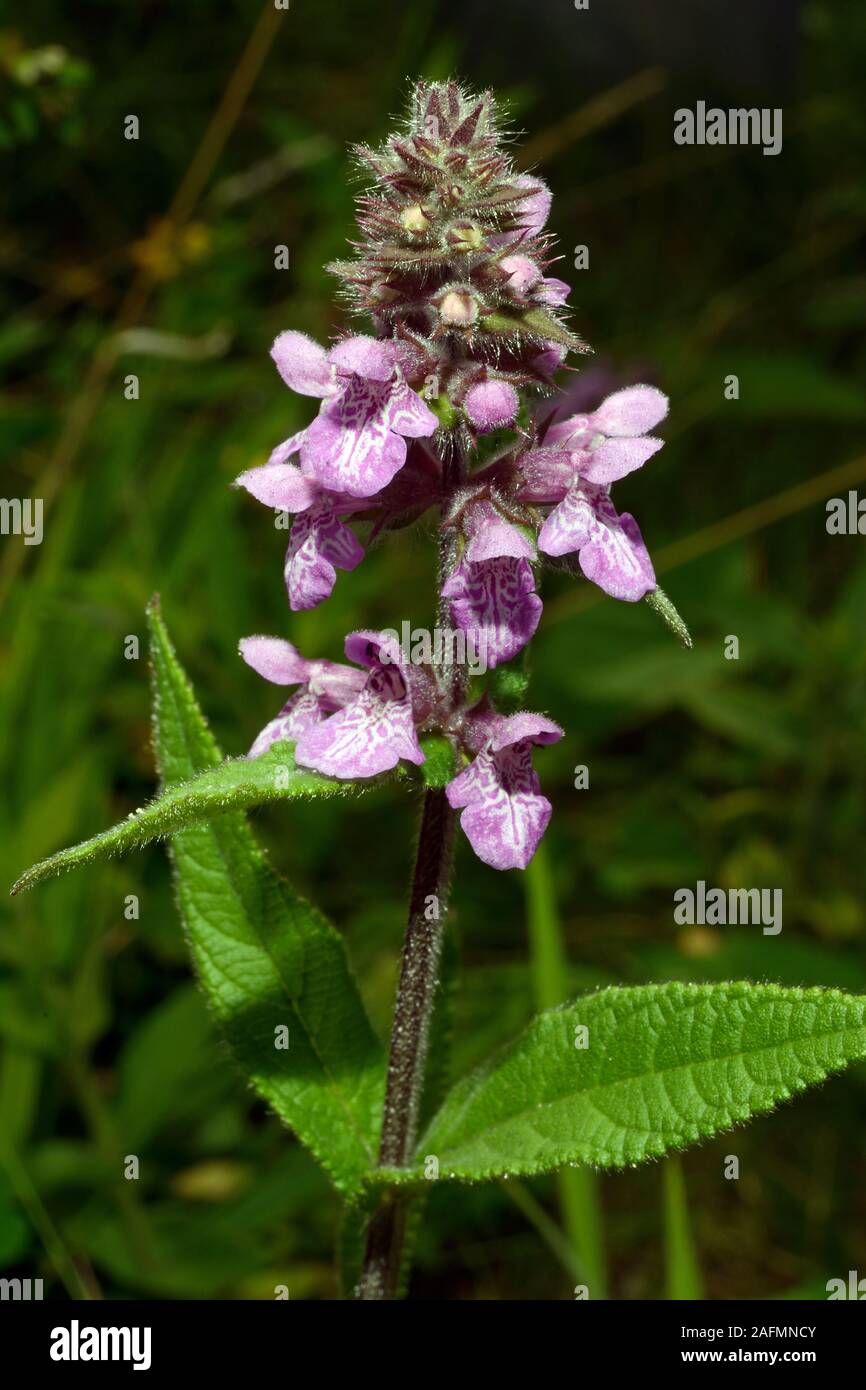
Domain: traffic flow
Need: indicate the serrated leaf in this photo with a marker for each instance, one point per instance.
(666, 1065)
(238, 784)
(267, 958)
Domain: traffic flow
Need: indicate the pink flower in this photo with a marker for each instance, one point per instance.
(553, 291)
(574, 467)
(492, 588)
(523, 273)
(357, 442)
(526, 281)
(504, 814)
(491, 404)
(376, 728)
(550, 360)
(535, 206)
(325, 686)
(613, 440)
(610, 547)
(530, 213)
(320, 542)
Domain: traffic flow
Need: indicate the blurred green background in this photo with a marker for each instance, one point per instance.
(156, 257)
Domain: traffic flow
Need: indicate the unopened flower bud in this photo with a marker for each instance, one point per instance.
(414, 219)
(465, 236)
(522, 273)
(491, 404)
(458, 308)
(383, 293)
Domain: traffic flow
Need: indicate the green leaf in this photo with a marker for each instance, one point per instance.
(446, 413)
(440, 765)
(266, 958)
(534, 323)
(510, 686)
(235, 785)
(669, 613)
(665, 1065)
(552, 330)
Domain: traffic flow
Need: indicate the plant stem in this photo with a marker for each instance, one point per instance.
(410, 1032)
(419, 971)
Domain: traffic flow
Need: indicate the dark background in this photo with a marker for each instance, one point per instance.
(703, 262)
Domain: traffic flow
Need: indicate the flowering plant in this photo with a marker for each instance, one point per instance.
(449, 406)
(451, 270)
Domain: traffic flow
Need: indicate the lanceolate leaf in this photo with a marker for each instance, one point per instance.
(536, 324)
(669, 613)
(235, 785)
(664, 1065)
(268, 960)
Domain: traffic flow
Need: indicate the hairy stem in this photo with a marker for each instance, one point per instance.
(416, 992)
(413, 1011)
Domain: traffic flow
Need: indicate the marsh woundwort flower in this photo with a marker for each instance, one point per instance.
(492, 587)
(574, 466)
(503, 812)
(445, 406)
